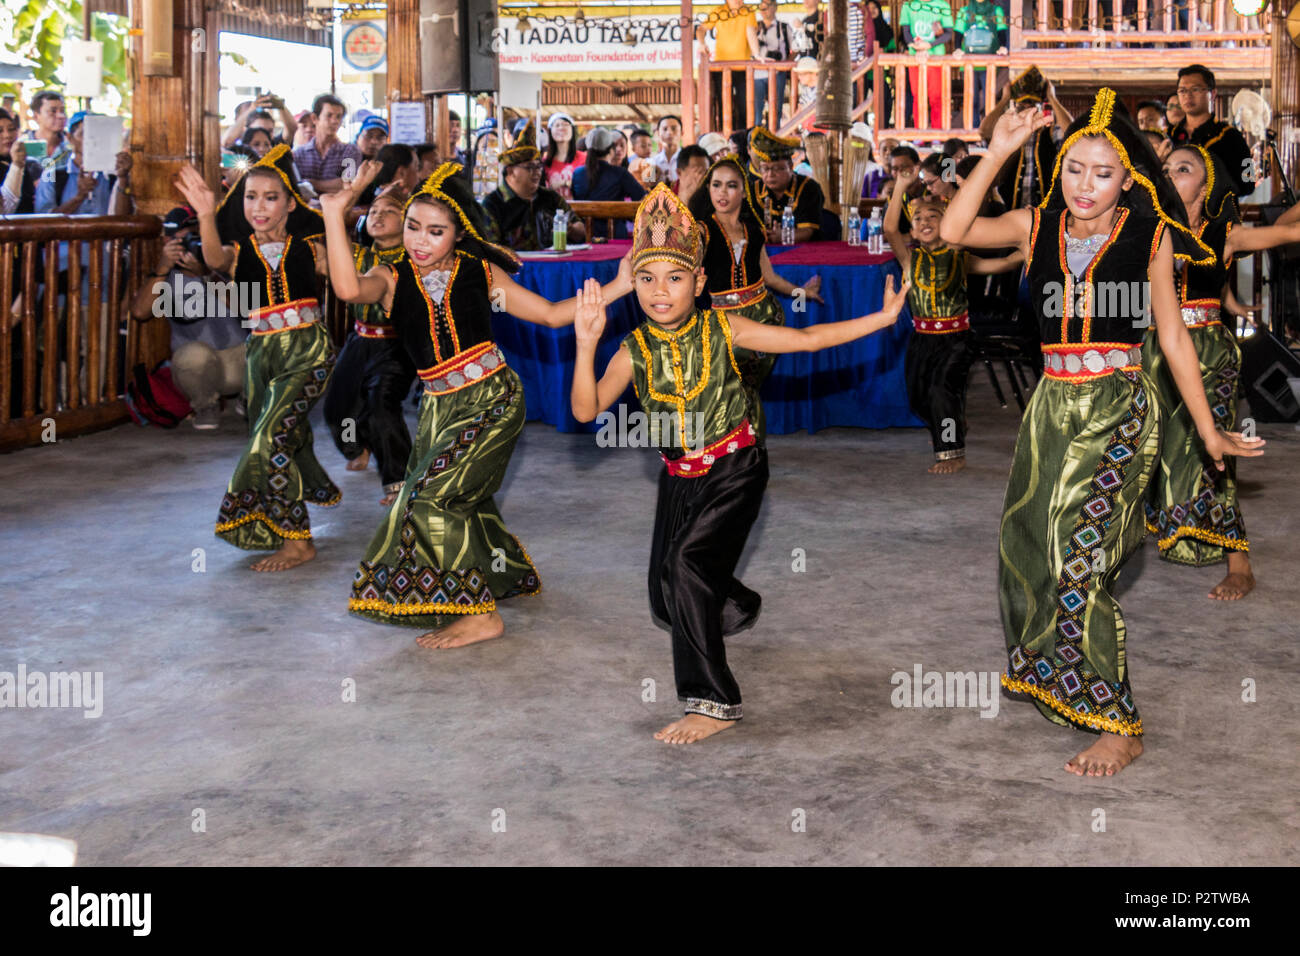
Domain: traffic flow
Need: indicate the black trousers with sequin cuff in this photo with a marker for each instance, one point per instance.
(936, 369)
(701, 526)
(372, 378)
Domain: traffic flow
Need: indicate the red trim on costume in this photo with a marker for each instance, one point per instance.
(698, 463)
(936, 325)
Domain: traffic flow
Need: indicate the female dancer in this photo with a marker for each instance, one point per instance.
(1193, 510)
(442, 557)
(1089, 441)
(682, 363)
(939, 354)
(373, 375)
(265, 236)
(738, 276)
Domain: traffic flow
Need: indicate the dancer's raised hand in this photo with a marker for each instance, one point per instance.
(1014, 128)
(589, 314)
(190, 184)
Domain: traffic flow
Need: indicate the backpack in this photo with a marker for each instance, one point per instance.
(153, 398)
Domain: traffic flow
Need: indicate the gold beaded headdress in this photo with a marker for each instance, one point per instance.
(765, 146)
(445, 185)
(1029, 87)
(304, 221)
(665, 231)
(1153, 194)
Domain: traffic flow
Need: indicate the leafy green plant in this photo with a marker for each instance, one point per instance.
(39, 28)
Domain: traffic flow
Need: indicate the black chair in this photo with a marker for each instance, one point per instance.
(1005, 332)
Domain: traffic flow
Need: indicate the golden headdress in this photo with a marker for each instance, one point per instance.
(524, 150)
(447, 186)
(1029, 87)
(1152, 193)
(304, 222)
(665, 231)
(1220, 201)
(766, 146)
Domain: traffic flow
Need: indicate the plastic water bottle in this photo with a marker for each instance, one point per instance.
(854, 227)
(875, 234)
(787, 226)
(560, 231)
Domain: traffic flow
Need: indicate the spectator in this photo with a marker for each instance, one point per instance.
(926, 27)
(599, 180)
(939, 177)
(1151, 115)
(326, 159)
(875, 173)
(258, 113)
(715, 145)
(1173, 112)
(812, 30)
(51, 119)
(639, 163)
(955, 149)
(669, 131)
(736, 31)
(372, 136)
(258, 140)
(983, 26)
(618, 155)
(692, 166)
(805, 74)
(427, 153)
(561, 155)
(398, 164)
(72, 191)
(781, 186)
(17, 183)
(454, 134)
(521, 212)
(902, 160)
(207, 350)
(862, 34)
(1200, 128)
(306, 130)
(883, 34)
(775, 44)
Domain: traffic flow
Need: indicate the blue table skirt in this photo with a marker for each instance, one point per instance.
(859, 384)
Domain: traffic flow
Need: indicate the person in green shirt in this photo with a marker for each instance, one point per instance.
(925, 27)
(983, 26)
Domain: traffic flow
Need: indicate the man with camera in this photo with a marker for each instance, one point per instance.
(257, 114)
(207, 347)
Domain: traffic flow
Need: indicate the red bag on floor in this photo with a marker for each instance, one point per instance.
(154, 399)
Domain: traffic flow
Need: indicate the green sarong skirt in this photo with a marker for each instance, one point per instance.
(1193, 510)
(1073, 514)
(278, 475)
(443, 549)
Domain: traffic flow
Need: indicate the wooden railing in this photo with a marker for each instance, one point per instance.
(66, 367)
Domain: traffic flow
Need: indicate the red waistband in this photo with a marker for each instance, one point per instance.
(941, 325)
(739, 298)
(375, 331)
(698, 463)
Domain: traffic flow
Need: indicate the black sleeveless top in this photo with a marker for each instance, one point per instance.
(1110, 298)
(1205, 282)
(294, 277)
(722, 272)
(435, 330)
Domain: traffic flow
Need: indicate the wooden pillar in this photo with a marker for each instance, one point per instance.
(690, 125)
(170, 122)
(1286, 101)
(404, 59)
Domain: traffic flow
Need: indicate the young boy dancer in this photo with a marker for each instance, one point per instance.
(681, 361)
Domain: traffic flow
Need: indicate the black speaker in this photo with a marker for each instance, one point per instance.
(1266, 364)
(457, 48)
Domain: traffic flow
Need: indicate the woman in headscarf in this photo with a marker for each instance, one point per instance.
(1109, 227)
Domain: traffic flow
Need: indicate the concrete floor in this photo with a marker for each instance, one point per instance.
(223, 689)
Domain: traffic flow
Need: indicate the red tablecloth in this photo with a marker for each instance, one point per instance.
(825, 254)
(614, 249)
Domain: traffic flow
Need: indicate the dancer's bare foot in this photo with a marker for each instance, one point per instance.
(293, 552)
(1107, 757)
(470, 629)
(1238, 582)
(361, 462)
(691, 728)
(948, 467)
(388, 499)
